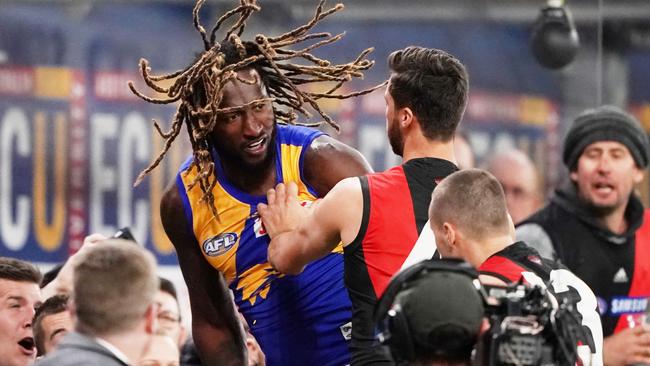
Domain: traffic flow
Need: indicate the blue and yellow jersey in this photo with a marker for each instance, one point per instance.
(298, 320)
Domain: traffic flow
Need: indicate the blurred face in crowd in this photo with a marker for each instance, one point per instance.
(162, 351)
(395, 137)
(519, 180)
(169, 320)
(55, 327)
(605, 176)
(17, 302)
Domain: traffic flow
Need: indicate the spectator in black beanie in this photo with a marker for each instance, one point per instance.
(597, 226)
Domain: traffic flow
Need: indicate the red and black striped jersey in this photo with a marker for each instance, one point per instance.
(395, 209)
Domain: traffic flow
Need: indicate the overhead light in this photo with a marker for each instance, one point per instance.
(554, 40)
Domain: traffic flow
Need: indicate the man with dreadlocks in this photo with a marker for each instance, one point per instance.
(228, 99)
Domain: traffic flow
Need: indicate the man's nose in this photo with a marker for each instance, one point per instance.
(252, 125)
(27, 317)
(604, 164)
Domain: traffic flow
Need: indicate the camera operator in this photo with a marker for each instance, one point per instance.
(432, 314)
(469, 219)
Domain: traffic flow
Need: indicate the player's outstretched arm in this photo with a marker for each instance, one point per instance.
(300, 235)
(216, 329)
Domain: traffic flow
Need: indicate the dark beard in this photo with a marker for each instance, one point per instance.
(395, 138)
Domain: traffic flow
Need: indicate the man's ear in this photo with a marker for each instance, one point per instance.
(72, 308)
(151, 318)
(511, 228)
(405, 117)
(638, 175)
(449, 231)
(182, 336)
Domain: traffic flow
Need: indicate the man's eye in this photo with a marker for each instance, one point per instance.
(618, 154)
(259, 107)
(518, 191)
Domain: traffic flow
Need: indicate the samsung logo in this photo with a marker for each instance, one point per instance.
(219, 244)
(626, 305)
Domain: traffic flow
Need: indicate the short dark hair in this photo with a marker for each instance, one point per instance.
(473, 199)
(18, 270)
(433, 84)
(54, 305)
(50, 275)
(168, 287)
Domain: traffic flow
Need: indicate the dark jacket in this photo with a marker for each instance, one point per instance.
(568, 230)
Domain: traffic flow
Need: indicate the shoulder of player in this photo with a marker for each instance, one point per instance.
(327, 161)
(326, 149)
(172, 215)
(171, 201)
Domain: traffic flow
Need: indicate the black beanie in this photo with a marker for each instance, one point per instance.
(606, 123)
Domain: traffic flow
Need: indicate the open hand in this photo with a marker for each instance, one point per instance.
(283, 212)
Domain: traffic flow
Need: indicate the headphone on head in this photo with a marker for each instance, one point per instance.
(392, 325)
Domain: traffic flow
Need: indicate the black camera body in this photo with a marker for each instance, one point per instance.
(528, 327)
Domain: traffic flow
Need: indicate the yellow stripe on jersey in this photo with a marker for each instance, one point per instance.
(256, 281)
(291, 158)
(231, 218)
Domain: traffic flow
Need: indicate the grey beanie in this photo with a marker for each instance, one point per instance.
(606, 123)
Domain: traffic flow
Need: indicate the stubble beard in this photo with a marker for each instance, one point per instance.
(600, 210)
(395, 138)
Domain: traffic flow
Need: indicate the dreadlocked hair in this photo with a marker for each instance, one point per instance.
(198, 88)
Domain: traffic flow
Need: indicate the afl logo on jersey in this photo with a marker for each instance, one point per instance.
(219, 244)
